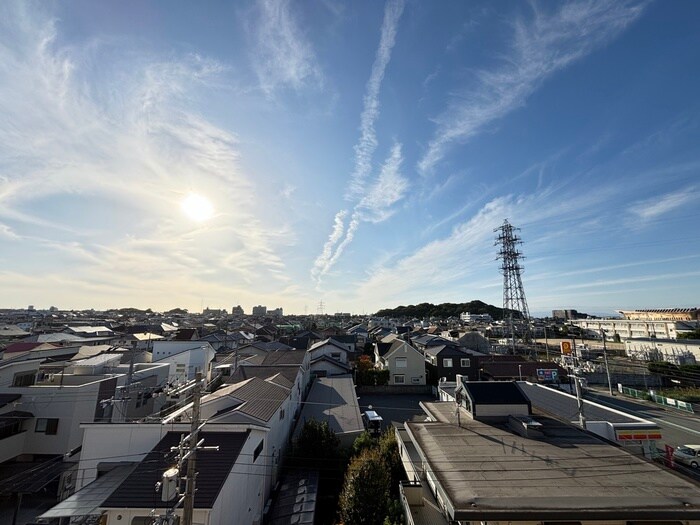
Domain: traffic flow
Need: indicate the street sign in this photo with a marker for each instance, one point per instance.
(547, 374)
(565, 347)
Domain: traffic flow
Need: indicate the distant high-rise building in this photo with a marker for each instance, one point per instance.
(237, 310)
(568, 314)
(277, 312)
(259, 310)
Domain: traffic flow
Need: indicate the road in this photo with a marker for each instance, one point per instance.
(678, 428)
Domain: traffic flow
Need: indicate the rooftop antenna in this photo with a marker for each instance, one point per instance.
(513, 293)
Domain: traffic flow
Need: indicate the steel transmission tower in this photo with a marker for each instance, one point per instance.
(513, 293)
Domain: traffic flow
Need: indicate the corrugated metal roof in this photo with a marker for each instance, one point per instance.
(87, 501)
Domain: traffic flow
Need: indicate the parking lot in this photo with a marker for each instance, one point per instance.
(395, 409)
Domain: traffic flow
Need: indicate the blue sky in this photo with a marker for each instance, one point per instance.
(355, 153)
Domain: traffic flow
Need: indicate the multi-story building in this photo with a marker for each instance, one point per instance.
(467, 317)
(259, 311)
(663, 314)
(636, 328)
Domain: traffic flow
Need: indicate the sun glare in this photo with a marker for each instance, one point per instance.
(197, 208)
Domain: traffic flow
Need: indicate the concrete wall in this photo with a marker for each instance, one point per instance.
(113, 443)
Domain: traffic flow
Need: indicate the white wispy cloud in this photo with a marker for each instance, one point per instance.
(542, 45)
(283, 57)
(375, 202)
(364, 149)
(322, 262)
(99, 144)
(655, 207)
(468, 249)
(376, 206)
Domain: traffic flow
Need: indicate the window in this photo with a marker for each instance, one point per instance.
(258, 450)
(447, 362)
(336, 355)
(47, 426)
(464, 362)
(399, 379)
(24, 379)
(401, 362)
(282, 414)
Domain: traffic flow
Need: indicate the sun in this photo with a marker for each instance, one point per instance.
(197, 208)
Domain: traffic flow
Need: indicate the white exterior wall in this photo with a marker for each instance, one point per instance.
(71, 405)
(629, 328)
(106, 443)
(194, 355)
(328, 350)
(668, 349)
(8, 372)
(243, 495)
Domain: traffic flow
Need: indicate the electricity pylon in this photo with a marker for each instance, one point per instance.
(513, 292)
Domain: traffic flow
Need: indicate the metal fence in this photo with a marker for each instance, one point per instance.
(661, 400)
(638, 394)
(673, 403)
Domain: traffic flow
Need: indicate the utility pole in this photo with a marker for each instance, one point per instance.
(579, 401)
(186, 451)
(188, 505)
(605, 357)
(546, 342)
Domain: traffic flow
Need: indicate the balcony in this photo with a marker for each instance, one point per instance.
(419, 505)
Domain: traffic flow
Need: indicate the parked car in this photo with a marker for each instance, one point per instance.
(372, 422)
(687, 455)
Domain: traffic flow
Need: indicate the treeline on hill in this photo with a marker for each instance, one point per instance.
(444, 310)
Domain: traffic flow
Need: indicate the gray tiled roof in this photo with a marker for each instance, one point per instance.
(261, 399)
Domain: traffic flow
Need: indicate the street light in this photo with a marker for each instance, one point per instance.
(520, 372)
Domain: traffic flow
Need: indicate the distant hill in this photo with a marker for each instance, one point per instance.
(444, 310)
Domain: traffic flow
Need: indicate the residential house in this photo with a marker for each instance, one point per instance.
(329, 358)
(124, 462)
(406, 365)
(448, 360)
(250, 421)
(361, 332)
(52, 399)
(186, 358)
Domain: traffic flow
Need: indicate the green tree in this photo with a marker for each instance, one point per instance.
(364, 499)
(362, 442)
(389, 451)
(318, 448)
(316, 444)
(695, 334)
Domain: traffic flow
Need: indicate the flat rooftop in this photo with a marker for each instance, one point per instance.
(333, 399)
(487, 472)
(562, 405)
